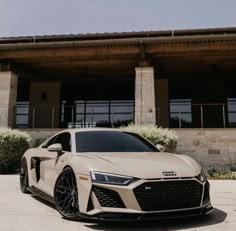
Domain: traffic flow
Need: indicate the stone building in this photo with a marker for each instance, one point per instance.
(181, 79)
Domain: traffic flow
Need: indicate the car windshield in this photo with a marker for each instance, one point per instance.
(112, 141)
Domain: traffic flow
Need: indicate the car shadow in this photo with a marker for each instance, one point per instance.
(37, 198)
(216, 217)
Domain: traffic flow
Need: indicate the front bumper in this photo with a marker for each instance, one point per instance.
(124, 217)
(146, 199)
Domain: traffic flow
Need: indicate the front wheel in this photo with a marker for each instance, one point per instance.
(66, 195)
(24, 182)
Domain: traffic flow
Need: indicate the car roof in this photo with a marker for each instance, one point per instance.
(75, 130)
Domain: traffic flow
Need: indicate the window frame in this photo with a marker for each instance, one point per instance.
(54, 140)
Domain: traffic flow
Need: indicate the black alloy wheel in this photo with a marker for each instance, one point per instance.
(66, 195)
(24, 181)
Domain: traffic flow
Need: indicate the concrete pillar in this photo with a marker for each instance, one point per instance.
(162, 102)
(145, 111)
(8, 93)
(45, 104)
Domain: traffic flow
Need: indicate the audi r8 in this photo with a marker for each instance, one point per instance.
(110, 174)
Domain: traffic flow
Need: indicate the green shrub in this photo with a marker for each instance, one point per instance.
(220, 174)
(156, 135)
(38, 142)
(212, 171)
(13, 144)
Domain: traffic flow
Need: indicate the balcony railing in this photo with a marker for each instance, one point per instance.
(105, 113)
(117, 113)
(215, 115)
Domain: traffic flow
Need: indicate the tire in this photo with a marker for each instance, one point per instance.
(24, 180)
(66, 195)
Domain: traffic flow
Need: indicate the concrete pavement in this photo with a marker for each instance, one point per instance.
(22, 212)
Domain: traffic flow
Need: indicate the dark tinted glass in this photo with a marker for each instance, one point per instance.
(64, 140)
(111, 141)
(49, 142)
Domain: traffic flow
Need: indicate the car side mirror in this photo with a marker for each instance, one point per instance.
(55, 148)
(160, 147)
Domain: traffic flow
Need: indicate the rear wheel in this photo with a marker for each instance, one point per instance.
(66, 195)
(24, 181)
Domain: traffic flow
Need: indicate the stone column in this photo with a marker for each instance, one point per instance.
(145, 110)
(8, 93)
(162, 102)
(45, 104)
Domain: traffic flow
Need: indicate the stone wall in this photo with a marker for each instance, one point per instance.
(211, 147)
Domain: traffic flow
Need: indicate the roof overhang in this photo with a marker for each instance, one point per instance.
(120, 53)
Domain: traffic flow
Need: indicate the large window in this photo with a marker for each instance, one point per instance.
(94, 112)
(231, 103)
(121, 111)
(200, 101)
(180, 113)
(22, 114)
(100, 113)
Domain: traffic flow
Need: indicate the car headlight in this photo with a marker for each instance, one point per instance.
(202, 176)
(107, 178)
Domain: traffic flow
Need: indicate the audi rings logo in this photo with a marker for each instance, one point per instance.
(169, 173)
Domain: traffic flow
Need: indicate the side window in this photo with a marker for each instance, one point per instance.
(49, 142)
(65, 140)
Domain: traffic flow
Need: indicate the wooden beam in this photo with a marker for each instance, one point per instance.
(60, 59)
(191, 48)
(104, 62)
(79, 52)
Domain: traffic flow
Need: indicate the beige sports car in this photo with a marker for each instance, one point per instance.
(110, 174)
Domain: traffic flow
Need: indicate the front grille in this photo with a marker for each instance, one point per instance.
(108, 198)
(168, 195)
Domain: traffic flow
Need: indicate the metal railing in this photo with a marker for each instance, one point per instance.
(113, 114)
(107, 113)
(213, 115)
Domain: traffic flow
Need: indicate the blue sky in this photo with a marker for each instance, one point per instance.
(47, 17)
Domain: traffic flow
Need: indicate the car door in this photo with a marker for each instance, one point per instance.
(52, 163)
(37, 156)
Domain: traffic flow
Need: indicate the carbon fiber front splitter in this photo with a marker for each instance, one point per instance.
(119, 217)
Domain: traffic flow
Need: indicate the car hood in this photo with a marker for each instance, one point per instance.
(145, 165)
